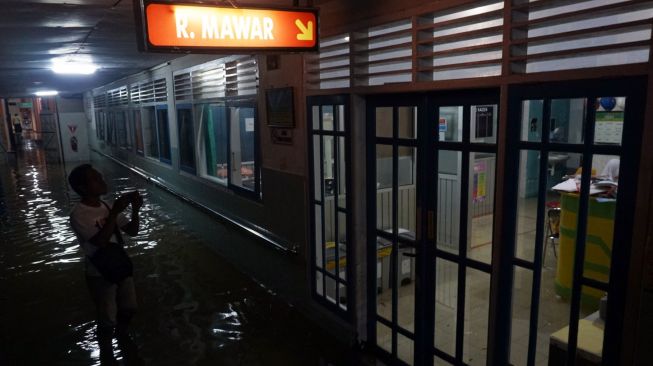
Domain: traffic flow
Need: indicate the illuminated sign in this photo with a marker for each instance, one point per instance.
(184, 27)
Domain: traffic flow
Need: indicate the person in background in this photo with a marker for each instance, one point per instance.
(611, 170)
(96, 225)
(18, 127)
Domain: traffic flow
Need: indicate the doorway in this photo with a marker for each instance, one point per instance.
(431, 209)
(431, 177)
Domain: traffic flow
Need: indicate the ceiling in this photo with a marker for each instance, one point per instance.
(33, 32)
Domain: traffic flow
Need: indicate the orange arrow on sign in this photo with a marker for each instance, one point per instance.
(306, 30)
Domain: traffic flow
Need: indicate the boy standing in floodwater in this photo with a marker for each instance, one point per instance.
(97, 226)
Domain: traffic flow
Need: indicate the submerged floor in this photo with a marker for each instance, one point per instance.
(195, 307)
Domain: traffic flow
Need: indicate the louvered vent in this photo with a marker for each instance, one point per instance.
(153, 91)
(562, 35)
(117, 97)
(100, 100)
(217, 79)
(330, 68)
(383, 54)
(183, 87)
(135, 94)
(461, 43)
(247, 76)
(209, 82)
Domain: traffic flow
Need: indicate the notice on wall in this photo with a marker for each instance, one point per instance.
(249, 124)
(609, 127)
(479, 181)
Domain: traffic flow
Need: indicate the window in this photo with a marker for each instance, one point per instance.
(163, 133)
(242, 147)
(186, 137)
(111, 131)
(215, 147)
(99, 125)
(228, 144)
(330, 204)
(138, 130)
(149, 133)
(156, 136)
(121, 128)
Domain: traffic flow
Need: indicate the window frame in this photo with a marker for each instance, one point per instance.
(348, 282)
(187, 169)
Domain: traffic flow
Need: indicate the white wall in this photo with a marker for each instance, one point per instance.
(73, 125)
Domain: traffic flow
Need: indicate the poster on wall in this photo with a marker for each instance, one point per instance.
(484, 121)
(479, 181)
(609, 127)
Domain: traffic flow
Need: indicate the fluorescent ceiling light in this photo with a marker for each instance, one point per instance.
(64, 65)
(46, 93)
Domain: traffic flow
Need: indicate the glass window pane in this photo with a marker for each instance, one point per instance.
(340, 117)
(532, 117)
(484, 123)
(319, 283)
(342, 245)
(330, 284)
(609, 120)
(319, 243)
(448, 200)
(407, 122)
(342, 300)
(149, 133)
(521, 314)
(567, 121)
(242, 147)
(330, 234)
(406, 195)
(446, 305)
(384, 204)
(482, 168)
(317, 167)
(405, 349)
(383, 337)
(342, 173)
(138, 130)
(121, 129)
(316, 117)
(477, 305)
(384, 122)
(328, 166)
(450, 124)
(383, 288)
(213, 119)
(186, 139)
(327, 117)
(529, 170)
(406, 287)
(164, 134)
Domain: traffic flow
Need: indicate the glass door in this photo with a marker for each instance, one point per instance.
(568, 241)
(459, 244)
(431, 177)
(393, 228)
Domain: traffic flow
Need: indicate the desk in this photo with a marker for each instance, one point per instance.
(598, 249)
(590, 343)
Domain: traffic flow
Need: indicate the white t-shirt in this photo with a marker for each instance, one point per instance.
(611, 170)
(86, 221)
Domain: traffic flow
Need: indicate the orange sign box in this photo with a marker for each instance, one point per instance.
(220, 27)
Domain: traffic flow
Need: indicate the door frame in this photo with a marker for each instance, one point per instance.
(426, 203)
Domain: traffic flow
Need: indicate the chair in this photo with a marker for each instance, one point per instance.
(552, 228)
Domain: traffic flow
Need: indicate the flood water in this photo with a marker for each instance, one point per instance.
(195, 308)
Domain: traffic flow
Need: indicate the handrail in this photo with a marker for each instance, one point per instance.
(255, 230)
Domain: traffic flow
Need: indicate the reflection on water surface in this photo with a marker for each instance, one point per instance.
(195, 308)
